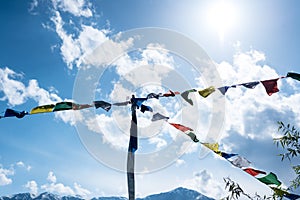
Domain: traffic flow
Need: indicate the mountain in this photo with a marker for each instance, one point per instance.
(177, 194)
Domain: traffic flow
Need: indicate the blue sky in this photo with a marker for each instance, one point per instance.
(47, 45)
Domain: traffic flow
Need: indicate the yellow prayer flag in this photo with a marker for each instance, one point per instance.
(214, 147)
(207, 91)
(42, 109)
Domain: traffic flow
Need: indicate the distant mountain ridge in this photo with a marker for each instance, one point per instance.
(176, 194)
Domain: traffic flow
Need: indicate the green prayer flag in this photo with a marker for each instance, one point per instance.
(193, 136)
(63, 106)
(270, 179)
(293, 75)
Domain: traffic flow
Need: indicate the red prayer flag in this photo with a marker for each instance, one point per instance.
(181, 127)
(170, 94)
(253, 172)
(271, 86)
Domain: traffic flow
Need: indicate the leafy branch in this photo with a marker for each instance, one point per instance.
(290, 143)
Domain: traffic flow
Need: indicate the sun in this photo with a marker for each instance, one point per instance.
(222, 16)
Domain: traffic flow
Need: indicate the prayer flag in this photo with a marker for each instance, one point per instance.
(270, 179)
(170, 94)
(292, 196)
(76, 106)
(207, 91)
(146, 108)
(240, 162)
(253, 172)
(293, 75)
(138, 101)
(105, 105)
(223, 89)
(228, 155)
(42, 109)
(283, 193)
(13, 113)
(250, 85)
(186, 130)
(185, 96)
(193, 136)
(271, 86)
(63, 106)
(153, 95)
(181, 127)
(214, 147)
(158, 116)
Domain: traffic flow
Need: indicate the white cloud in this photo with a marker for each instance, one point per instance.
(155, 63)
(179, 162)
(251, 112)
(158, 142)
(32, 6)
(32, 186)
(58, 188)
(61, 189)
(90, 47)
(16, 93)
(204, 183)
(112, 131)
(76, 7)
(69, 49)
(23, 165)
(51, 177)
(4, 176)
(79, 190)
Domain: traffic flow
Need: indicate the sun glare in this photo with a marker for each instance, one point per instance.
(222, 17)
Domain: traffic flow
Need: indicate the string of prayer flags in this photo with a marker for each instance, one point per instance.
(243, 163)
(158, 116)
(293, 75)
(271, 86)
(102, 104)
(270, 179)
(254, 172)
(207, 91)
(186, 130)
(42, 109)
(14, 113)
(185, 96)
